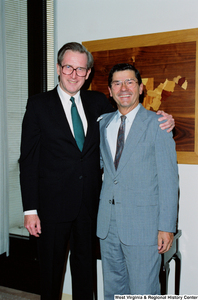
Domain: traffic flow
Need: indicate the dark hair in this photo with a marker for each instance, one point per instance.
(123, 67)
(76, 47)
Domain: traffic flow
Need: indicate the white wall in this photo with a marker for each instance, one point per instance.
(87, 20)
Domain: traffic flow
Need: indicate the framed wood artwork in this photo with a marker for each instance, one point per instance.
(168, 64)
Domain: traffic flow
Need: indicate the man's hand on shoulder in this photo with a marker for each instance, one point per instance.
(169, 124)
(32, 224)
(165, 240)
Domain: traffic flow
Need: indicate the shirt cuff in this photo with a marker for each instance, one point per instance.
(30, 212)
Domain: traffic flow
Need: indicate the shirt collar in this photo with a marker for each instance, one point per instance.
(130, 116)
(66, 97)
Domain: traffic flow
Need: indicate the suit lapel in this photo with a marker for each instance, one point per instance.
(57, 112)
(105, 148)
(92, 125)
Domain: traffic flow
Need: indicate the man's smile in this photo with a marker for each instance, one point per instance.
(125, 95)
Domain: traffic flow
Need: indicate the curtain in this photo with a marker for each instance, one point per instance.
(4, 187)
(13, 98)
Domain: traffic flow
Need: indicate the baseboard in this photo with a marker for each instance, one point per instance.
(66, 297)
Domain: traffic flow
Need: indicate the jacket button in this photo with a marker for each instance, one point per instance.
(115, 181)
(81, 177)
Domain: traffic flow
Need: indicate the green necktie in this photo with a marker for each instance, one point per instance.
(77, 125)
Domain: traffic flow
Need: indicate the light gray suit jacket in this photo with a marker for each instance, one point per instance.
(145, 185)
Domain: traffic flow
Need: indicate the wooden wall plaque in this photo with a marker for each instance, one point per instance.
(168, 64)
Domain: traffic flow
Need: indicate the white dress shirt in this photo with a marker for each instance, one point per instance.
(66, 103)
(112, 129)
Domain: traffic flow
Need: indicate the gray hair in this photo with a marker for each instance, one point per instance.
(76, 47)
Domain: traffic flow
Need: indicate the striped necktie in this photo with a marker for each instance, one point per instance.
(120, 141)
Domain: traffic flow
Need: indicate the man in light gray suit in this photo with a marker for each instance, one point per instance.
(138, 202)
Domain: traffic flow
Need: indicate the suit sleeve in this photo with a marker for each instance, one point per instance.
(167, 171)
(101, 159)
(29, 158)
(106, 106)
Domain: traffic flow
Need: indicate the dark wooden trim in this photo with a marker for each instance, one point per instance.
(37, 46)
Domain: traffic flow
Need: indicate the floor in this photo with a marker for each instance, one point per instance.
(14, 280)
(11, 294)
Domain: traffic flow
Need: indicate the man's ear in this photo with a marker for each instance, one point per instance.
(110, 93)
(58, 69)
(87, 75)
(141, 88)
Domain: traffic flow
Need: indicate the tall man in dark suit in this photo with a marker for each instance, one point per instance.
(60, 173)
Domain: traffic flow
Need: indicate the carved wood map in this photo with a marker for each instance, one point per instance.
(168, 66)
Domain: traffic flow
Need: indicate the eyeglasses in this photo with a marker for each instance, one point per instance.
(117, 84)
(68, 70)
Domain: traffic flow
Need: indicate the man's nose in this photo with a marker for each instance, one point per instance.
(123, 86)
(73, 74)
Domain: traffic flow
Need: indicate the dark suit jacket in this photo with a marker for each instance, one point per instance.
(55, 176)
